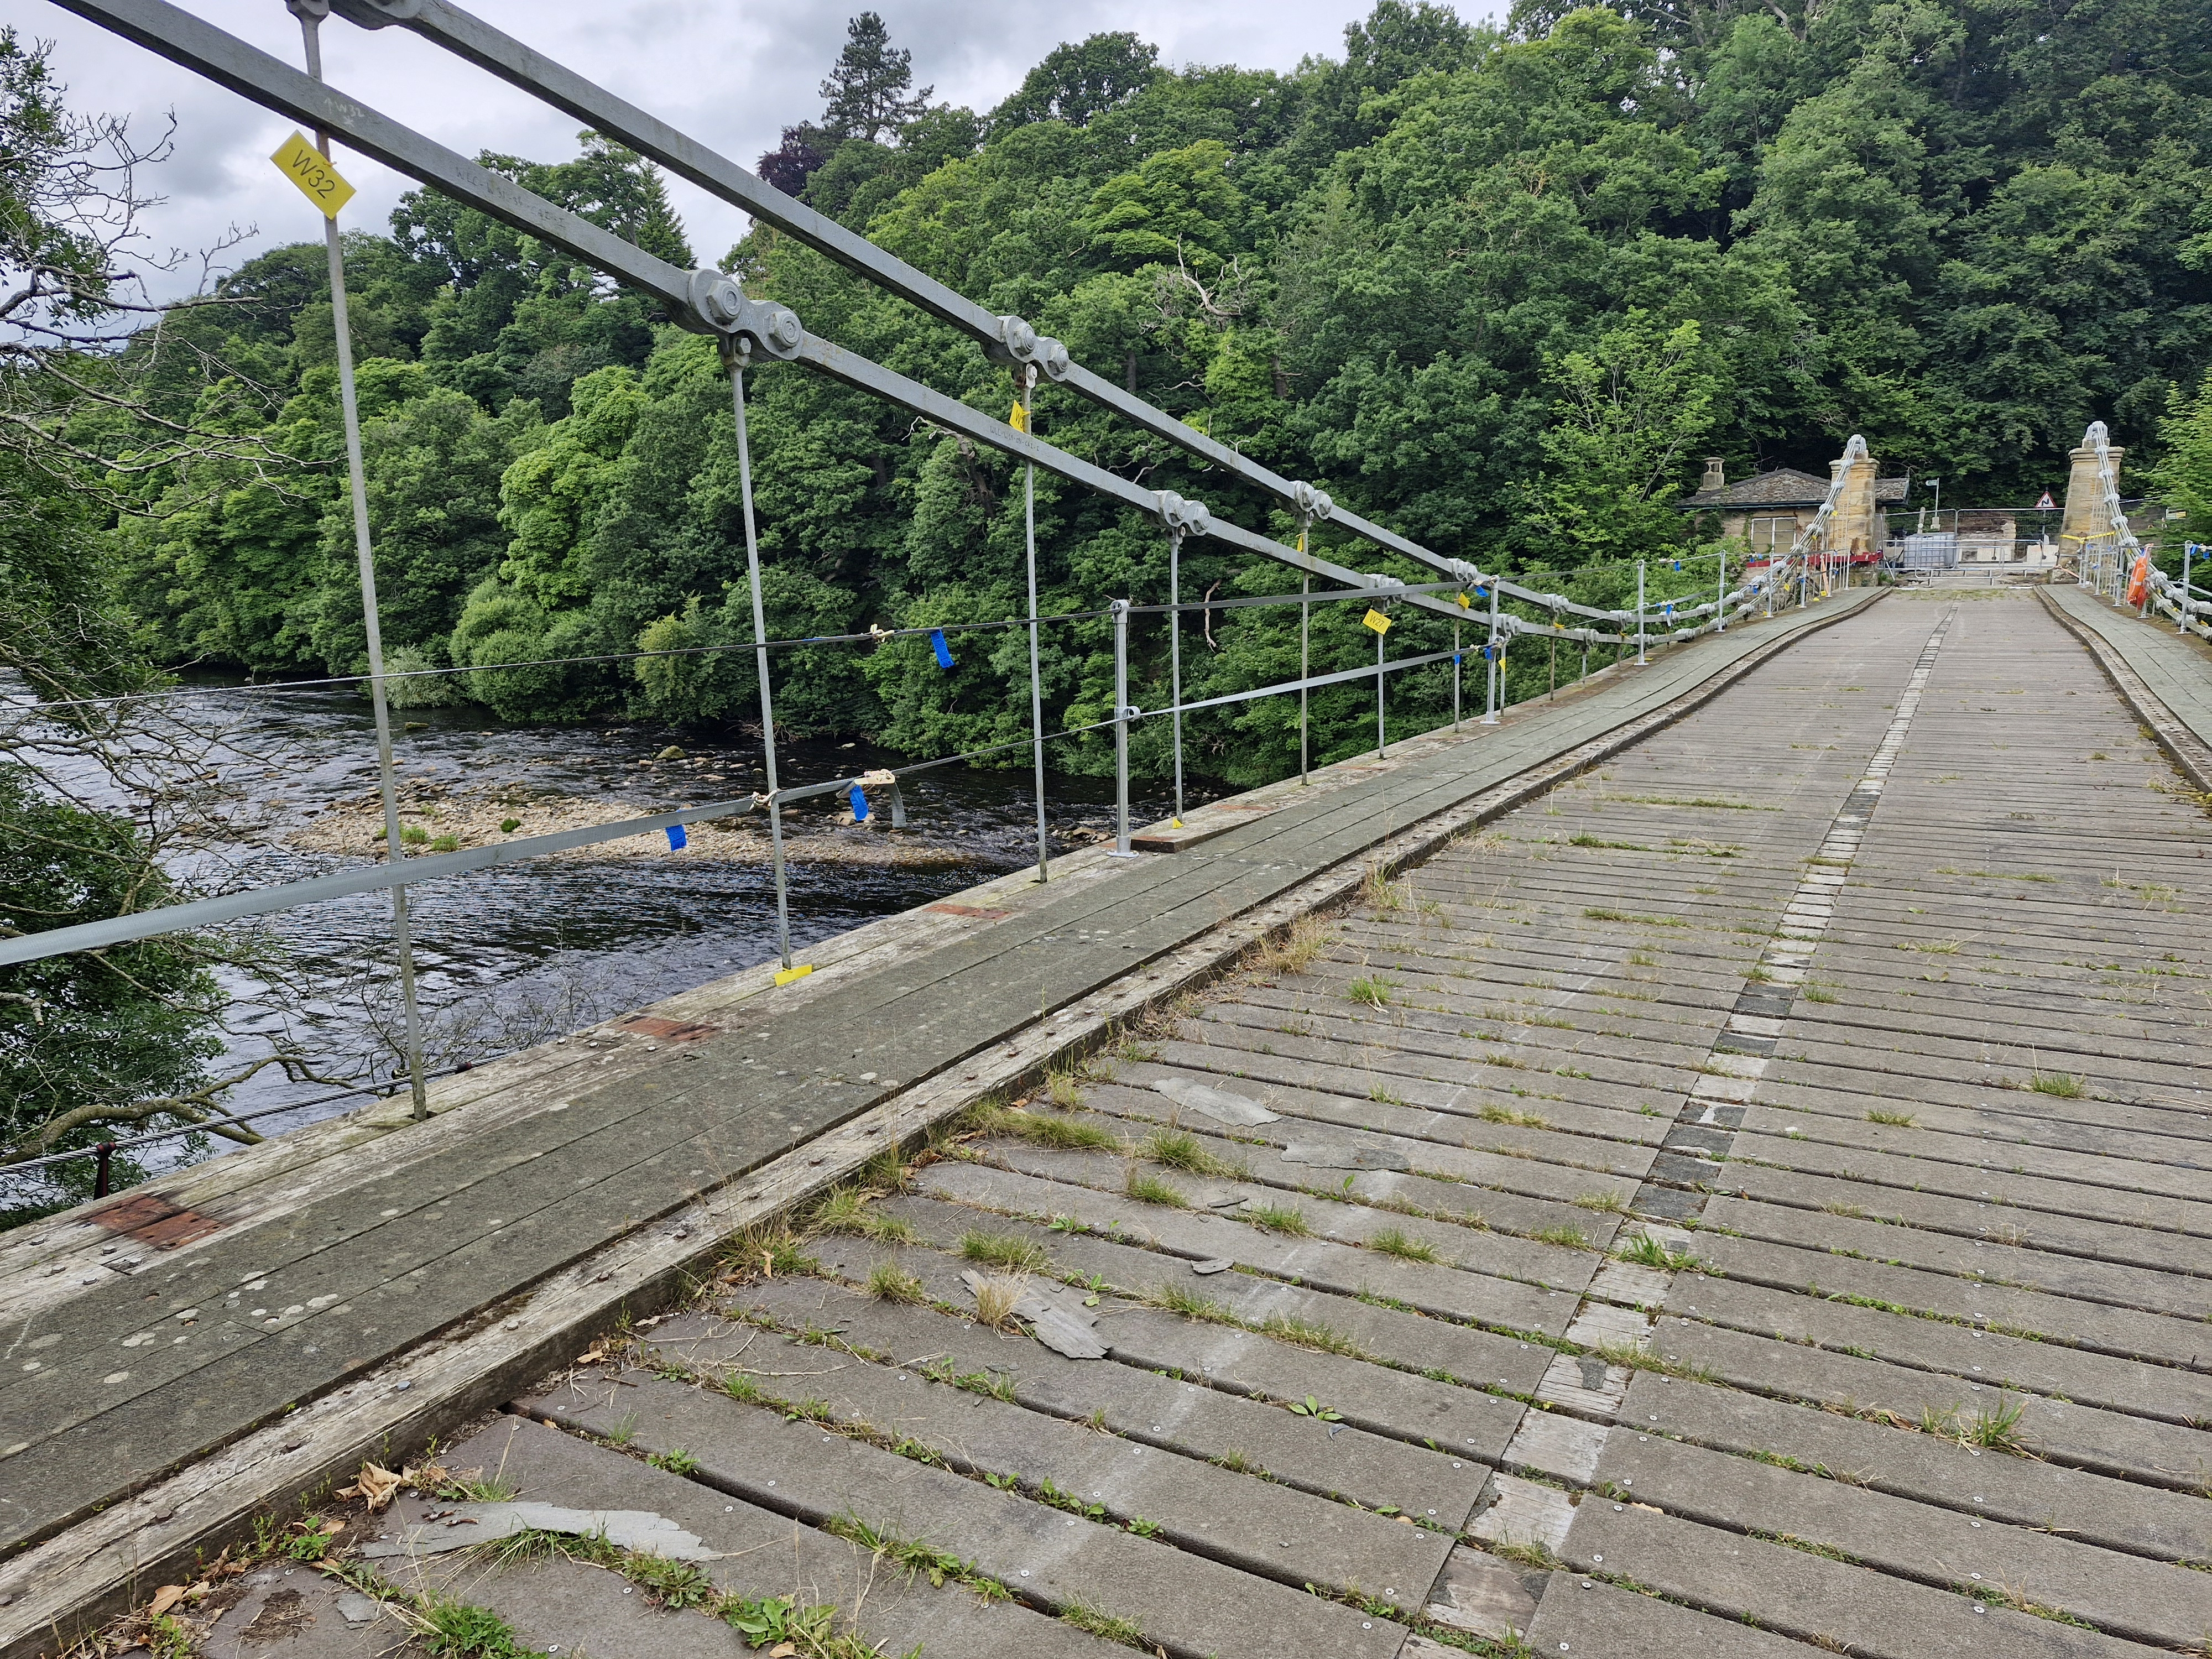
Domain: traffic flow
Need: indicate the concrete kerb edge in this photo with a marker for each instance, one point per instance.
(653, 1268)
(2161, 721)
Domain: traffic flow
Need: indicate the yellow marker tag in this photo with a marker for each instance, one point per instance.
(1377, 620)
(1462, 602)
(786, 975)
(319, 181)
(1019, 419)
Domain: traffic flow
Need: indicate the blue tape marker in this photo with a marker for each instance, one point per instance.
(859, 805)
(944, 651)
(676, 838)
(1678, 564)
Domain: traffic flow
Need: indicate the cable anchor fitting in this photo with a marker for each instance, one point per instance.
(1020, 344)
(762, 327)
(1183, 517)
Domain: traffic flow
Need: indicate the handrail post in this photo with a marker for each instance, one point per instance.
(1493, 660)
(1120, 608)
(1642, 634)
(311, 18)
(1305, 647)
(1382, 742)
(1720, 594)
(2187, 549)
(1175, 658)
(737, 358)
(1037, 686)
(1456, 655)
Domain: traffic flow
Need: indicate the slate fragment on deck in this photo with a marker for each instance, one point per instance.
(465, 1524)
(1220, 1104)
(1324, 1156)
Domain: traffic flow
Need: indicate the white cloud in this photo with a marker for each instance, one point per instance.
(731, 74)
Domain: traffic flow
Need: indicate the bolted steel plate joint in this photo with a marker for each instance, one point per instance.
(1313, 504)
(371, 14)
(1185, 517)
(1019, 343)
(720, 307)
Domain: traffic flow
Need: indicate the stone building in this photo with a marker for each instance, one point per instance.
(1766, 511)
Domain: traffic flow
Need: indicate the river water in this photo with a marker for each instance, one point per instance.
(510, 956)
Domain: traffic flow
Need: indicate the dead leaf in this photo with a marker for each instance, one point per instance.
(375, 1487)
(592, 1357)
(332, 1528)
(781, 1650)
(164, 1598)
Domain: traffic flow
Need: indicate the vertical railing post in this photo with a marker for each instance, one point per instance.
(311, 14)
(1493, 658)
(1720, 594)
(1122, 728)
(2187, 549)
(1642, 632)
(1382, 741)
(1305, 647)
(103, 1175)
(1456, 656)
(1175, 658)
(738, 354)
(1037, 686)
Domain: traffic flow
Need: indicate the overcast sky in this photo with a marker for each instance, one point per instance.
(733, 73)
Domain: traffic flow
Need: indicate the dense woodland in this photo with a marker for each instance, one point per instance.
(1502, 289)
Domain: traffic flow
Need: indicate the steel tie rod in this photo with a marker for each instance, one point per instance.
(704, 300)
(470, 37)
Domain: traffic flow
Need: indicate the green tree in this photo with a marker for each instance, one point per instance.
(1077, 82)
(869, 89)
(1629, 414)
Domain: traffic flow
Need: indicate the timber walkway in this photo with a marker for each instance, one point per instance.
(1745, 1199)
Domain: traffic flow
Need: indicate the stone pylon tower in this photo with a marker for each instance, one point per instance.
(1852, 527)
(2087, 523)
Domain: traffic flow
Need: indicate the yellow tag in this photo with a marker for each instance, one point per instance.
(1377, 620)
(1462, 602)
(1019, 419)
(319, 181)
(786, 975)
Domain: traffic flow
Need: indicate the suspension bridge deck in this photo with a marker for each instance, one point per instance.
(1743, 1196)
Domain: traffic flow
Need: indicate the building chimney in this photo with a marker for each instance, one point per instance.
(1716, 474)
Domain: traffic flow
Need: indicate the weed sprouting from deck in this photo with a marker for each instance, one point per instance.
(889, 1282)
(1061, 1135)
(1371, 989)
(1279, 1218)
(1148, 1189)
(1181, 1150)
(1989, 1428)
(1181, 1300)
(1293, 949)
(1645, 1251)
(916, 1557)
(1005, 1250)
(1394, 1241)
